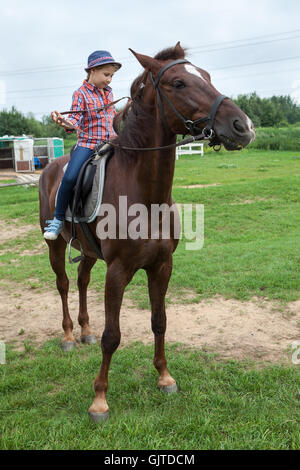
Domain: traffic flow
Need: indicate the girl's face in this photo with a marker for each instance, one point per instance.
(102, 76)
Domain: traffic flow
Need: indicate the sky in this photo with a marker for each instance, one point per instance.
(246, 46)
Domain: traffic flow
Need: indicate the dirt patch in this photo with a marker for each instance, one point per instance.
(194, 186)
(40, 249)
(12, 230)
(250, 201)
(7, 177)
(255, 329)
(9, 174)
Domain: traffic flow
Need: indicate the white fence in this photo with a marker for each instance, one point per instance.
(190, 149)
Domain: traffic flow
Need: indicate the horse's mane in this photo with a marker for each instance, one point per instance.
(134, 122)
(171, 53)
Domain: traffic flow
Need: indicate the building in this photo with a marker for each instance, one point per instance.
(25, 153)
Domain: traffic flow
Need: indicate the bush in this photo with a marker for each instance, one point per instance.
(277, 138)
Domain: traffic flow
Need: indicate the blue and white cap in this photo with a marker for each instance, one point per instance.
(101, 58)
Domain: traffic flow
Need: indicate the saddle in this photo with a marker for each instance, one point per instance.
(87, 198)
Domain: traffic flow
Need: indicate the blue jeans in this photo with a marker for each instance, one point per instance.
(78, 156)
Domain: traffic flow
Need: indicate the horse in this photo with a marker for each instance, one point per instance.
(168, 89)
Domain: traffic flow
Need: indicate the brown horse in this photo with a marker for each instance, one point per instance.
(145, 177)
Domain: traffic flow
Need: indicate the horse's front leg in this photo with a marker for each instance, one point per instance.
(117, 278)
(158, 280)
(84, 271)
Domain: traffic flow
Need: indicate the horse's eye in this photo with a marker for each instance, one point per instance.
(179, 84)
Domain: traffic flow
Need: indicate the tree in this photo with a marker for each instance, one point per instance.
(267, 112)
(15, 123)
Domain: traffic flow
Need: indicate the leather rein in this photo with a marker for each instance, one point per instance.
(207, 133)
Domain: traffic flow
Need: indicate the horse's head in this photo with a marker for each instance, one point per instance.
(188, 98)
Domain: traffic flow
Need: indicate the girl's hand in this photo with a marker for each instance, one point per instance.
(58, 119)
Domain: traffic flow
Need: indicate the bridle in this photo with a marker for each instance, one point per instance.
(207, 133)
(191, 126)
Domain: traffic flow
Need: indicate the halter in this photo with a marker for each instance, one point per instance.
(191, 126)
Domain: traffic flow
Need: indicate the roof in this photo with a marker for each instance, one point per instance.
(12, 137)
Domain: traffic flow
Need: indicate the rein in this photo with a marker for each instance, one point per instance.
(75, 111)
(146, 149)
(206, 134)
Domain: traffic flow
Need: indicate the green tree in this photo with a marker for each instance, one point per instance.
(13, 122)
(268, 112)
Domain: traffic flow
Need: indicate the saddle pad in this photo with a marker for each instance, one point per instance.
(94, 199)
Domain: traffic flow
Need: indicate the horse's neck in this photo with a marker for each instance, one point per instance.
(155, 169)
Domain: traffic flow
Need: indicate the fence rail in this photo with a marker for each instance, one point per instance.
(190, 149)
(22, 180)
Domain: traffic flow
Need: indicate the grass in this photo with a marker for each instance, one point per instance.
(45, 395)
(251, 248)
(252, 223)
(69, 141)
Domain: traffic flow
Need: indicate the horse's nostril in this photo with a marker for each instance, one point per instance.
(238, 126)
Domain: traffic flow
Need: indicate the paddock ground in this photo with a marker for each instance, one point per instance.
(252, 247)
(257, 329)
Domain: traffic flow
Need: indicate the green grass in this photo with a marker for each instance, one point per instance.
(69, 141)
(7, 181)
(251, 247)
(45, 395)
(235, 167)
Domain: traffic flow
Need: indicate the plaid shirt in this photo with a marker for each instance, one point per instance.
(99, 125)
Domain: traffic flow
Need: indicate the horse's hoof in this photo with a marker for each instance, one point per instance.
(68, 346)
(170, 388)
(99, 417)
(90, 339)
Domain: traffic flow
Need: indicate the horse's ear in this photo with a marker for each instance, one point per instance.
(180, 51)
(147, 62)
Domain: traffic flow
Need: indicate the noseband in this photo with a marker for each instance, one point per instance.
(191, 126)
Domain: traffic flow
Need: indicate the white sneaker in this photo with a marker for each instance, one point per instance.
(54, 228)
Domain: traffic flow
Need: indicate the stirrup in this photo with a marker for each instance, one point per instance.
(78, 258)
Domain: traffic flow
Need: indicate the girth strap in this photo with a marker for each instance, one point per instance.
(91, 239)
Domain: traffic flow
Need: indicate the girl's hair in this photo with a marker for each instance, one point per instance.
(99, 67)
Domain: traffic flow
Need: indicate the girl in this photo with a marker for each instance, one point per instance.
(93, 127)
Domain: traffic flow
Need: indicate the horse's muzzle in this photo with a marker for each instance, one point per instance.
(237, 134)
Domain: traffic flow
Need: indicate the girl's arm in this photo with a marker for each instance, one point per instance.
(78, 104)
(73, 118)
(61, 121)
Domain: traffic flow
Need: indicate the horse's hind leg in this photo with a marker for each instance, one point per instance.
(57, 249)
(84, 270)
(158, 280)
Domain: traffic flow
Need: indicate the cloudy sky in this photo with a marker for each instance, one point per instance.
(246, 46)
